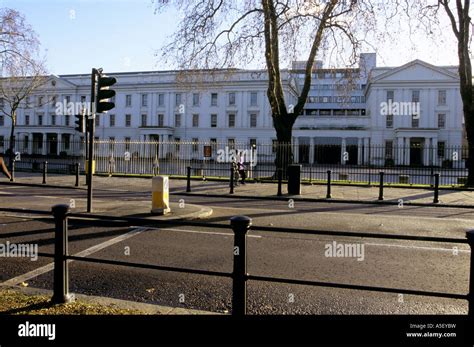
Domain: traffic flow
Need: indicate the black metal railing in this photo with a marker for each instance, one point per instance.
(240, 225)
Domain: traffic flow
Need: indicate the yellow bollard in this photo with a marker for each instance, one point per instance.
(160, 195)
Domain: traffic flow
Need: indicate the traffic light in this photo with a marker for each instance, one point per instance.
(80, 123)
(104, 93)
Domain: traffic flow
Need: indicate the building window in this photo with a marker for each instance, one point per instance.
(177, 120)
(53, 119)
(415, 121)
(83, 99)
(253, 120)
(128, 100)
(231, 120)
(161, 99)
(177, 140)
(195, 99)
(144, 120)
(415, 96)
(253, 143)
(195, 120)
(66, 141)
(40, 119)
(441, 148)
(253, 99)
(441, 120)
(27, 102)
(231, 143)
(40, 101)
(441, 97)
(390, 95)
(178, 99)
(68, 99)
(214, 97)
(161, 120)
(68, 117)
(389, 121)
(128, 120)
(112, 120)
(231, 99)
(127, 143)
(26, 142)
(2, 121)
(213, 120)
(144, 100)
(27, 119)
(195, 145)
(388, 149)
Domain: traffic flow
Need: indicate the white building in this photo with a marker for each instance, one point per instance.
(343, 122)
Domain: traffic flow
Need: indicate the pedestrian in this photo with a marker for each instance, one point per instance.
(241, 168)
(4, 168)
(111, 165)
(235, 172)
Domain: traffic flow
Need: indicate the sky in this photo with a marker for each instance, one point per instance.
(131, 34)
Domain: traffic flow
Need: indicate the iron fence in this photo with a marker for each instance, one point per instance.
(240, 225)
(349, 163)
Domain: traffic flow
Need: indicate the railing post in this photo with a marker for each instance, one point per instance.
(280, 179)
(45, 169)
(77, 174)
(231, 179)
(381, 197)
(12, 178)
(61, 274)
(328, 195)
(240, 225)
(470, 296)
(436, 189)
(188, 179)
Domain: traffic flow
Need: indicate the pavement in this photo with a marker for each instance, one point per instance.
(352, 193)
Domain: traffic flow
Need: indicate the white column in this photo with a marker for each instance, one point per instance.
(343, 151)
(366, 151)
(434, 146)
(406, 148)
(399, 151)
(296, 151)
(45, 144)
(311, 150)
(359, 151)
(426, 152)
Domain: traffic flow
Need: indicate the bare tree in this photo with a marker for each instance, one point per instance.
(427, 14)
(22, 71)
(221, 33)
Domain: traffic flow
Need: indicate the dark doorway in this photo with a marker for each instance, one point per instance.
(52, 141)
(416, 153)
(352, 150)
(327, 154)
(303, 152)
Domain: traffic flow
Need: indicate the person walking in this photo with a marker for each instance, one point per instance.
(3, 167)
(241, 168)
(111, 165)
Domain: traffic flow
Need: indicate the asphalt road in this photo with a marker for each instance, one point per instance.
(398, 264)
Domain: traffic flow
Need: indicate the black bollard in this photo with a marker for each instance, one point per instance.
(381, 197)
(436, 189)
(280, 179)
(45, 171)
(328, 195)
(240, 225)
(188, 177)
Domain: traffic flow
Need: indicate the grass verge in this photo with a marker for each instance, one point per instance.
(14, 302)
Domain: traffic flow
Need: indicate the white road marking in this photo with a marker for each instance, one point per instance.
(451, 250)
(5, 193)
(47, 268)
(207, 232)
(249, 208)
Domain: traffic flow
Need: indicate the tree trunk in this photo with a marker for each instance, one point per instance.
(469, 123)
(284, 150)
(11, 147)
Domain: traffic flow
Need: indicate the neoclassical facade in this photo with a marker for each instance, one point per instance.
(344, 120)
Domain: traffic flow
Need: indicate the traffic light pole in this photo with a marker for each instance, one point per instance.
(91, 140)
